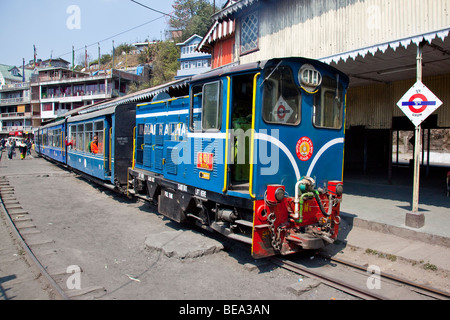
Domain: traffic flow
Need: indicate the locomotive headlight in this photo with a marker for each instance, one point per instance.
(275, 193)
(310, 79)
(279, 194)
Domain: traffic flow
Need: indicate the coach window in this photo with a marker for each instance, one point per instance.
(72, 137)
(87, 136)
(49, 138)
(328, 105)
(98, 130)
(281, 97)
(211, 106)
(44, 137)
(80, 131)
(57, 138)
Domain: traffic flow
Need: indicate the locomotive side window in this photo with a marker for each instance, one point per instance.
(196, 98)
(328, 105)
(211, 106)
(281, 97)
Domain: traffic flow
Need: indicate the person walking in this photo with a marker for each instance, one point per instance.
(29, 146)
(23, 151)
(11, 146)
(2, 147)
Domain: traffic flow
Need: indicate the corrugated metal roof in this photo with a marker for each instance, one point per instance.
(140, 95)
(233, 7)
(382, 47)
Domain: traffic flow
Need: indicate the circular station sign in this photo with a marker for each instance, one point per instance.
(418, 103)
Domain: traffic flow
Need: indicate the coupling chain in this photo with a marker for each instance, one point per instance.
(276, 241)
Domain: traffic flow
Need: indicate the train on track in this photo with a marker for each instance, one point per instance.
(254, 152)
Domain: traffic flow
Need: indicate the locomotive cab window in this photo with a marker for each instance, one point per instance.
(207, 97)
(328, 104)
(211, 106)
(281, 97)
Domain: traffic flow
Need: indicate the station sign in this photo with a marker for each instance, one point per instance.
(418, 103)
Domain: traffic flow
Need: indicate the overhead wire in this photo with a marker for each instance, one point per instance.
(123, 32)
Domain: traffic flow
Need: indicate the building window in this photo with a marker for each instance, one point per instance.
(47, 107)
(249, 33)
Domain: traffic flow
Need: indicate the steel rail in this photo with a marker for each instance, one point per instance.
(335, 283)
(419, 288)
(31, 255)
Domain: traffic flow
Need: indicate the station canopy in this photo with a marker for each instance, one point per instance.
(395, 60)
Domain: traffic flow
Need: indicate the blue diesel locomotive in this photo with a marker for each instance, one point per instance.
(254, 152)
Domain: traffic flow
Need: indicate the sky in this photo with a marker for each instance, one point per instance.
(54, 26)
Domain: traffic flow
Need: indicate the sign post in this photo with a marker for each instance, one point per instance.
(417, 104)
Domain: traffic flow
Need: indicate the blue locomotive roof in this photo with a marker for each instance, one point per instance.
(260, 65)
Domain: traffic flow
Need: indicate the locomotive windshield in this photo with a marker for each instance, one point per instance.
(328, 104)
(281, 97)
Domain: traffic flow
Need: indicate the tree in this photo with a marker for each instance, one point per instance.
(192, 17)
(165, 64)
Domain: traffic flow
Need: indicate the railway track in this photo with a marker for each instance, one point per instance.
(357, 281)
(7, 202)
(393, 287)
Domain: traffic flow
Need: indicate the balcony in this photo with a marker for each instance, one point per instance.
(7, 129)
(15, 115)
(68, 78)
(15, 86)
(79, 96)
(12, 101)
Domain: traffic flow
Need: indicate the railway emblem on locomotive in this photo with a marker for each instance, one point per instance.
(304, 148)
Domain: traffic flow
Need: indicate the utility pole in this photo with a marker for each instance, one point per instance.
(418, 141)
(415, 219)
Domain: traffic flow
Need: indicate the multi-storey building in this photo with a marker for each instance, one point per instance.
(15, 101)
(192, 62)
(57, 90)
(52, 89)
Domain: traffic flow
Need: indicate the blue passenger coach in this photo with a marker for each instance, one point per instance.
(113, 127)
(254, 152)
(50, 141)
(68, 142)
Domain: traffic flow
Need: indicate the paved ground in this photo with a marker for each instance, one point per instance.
(126, 251)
